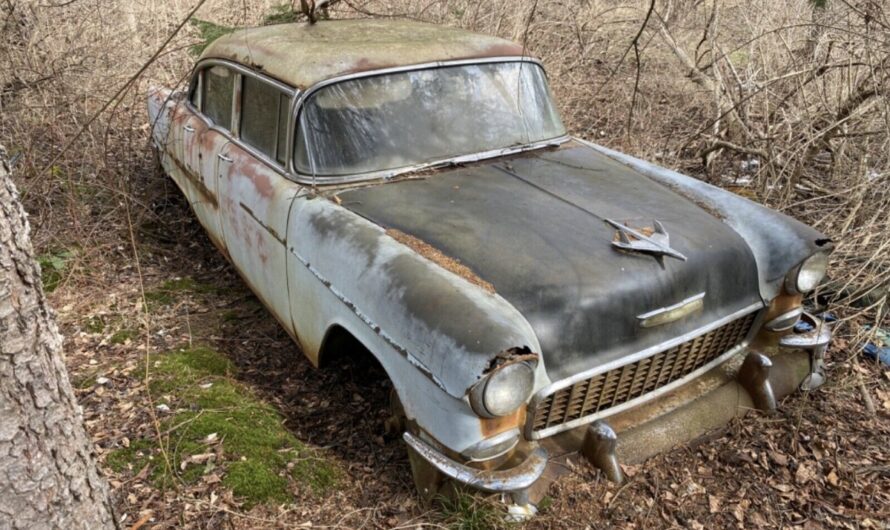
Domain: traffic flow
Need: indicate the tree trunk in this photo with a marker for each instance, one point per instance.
(48, 476)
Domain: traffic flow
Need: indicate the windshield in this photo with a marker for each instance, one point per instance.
(396, 120)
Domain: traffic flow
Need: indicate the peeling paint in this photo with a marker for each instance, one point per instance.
(436, 256)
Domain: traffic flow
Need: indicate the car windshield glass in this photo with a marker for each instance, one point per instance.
(397, 120)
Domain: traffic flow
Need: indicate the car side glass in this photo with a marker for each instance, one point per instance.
(260, 115)
(283, 114)
(195, 95)
(218, 89)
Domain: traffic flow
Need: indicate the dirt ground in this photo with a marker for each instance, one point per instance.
(821, 462)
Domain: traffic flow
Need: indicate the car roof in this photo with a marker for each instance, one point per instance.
(303, 54)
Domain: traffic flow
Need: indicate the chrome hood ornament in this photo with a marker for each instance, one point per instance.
(657, 243)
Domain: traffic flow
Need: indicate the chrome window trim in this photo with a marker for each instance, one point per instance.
(240, 71)
(391, 173)
(531, 434)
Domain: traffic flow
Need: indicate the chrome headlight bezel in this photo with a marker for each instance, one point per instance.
(502, 391)
(808, 274)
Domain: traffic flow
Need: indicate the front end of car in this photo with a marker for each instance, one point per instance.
(630, 409)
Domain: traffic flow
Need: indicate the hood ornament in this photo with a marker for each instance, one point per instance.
(656, 243)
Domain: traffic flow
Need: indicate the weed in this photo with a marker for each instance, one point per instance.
(467, 512)
(53, 266)
(166, 293)
(281, 14)
(121, 336)
(94, 324)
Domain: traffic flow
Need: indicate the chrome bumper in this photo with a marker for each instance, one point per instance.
(510, 480)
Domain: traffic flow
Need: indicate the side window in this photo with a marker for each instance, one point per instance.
(195, 96)
(283, 113)
(218, 86)
(264, 111)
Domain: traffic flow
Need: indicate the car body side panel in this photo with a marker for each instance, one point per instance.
(254, 202)
(345, 271)
(446, 326)
(187, 148)
(777, 241)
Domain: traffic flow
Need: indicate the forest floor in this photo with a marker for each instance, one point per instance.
(234, 428)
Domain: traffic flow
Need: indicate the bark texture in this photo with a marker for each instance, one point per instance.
(48, 476)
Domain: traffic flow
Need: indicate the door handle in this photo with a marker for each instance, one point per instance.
(224, 158)
(188, 129)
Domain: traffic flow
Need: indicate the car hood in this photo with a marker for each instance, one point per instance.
(533, 226)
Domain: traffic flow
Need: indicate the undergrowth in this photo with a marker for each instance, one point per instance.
(218, 426)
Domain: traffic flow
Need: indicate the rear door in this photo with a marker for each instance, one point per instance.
(204, 134)
(255, 196)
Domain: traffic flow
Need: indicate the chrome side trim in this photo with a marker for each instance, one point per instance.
(367, 320)
(501, 444)
(499, 481)
(672, 313)
(789, 317)
(540, 395)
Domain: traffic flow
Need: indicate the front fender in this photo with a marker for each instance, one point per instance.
(447, 327)
(777, 241)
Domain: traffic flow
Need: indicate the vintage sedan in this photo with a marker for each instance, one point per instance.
(411, 189)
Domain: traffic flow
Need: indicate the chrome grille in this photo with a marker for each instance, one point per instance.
(625, 383)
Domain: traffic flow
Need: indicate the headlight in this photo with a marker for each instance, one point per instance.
(806, 276)
(504, 390)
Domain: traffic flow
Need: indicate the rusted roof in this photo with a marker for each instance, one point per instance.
(302, 54)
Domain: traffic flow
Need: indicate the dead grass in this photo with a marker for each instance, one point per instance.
(784, 103)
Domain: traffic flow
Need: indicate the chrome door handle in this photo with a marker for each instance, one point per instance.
(224, 158)
(188, 129)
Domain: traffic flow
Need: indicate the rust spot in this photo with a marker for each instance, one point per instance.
(492, 426)
(646, 231)
(782, 304)
(502, 49)
(364, 64)
(196, 181)
(436, 256)
(272, 232)
(256, 172)
(510, 356)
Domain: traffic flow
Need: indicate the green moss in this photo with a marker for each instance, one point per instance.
(123, 335)
(256, 482)
(261, 455)
(281, 14)
(133, 457)
(208, 32)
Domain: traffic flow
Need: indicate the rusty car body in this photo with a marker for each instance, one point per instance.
(531, 295)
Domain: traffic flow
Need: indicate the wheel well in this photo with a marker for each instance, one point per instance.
(339, 345)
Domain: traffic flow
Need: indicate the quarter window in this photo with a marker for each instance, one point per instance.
(264, 111)
(219, 83)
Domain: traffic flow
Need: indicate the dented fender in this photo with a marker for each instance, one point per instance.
(447, 326)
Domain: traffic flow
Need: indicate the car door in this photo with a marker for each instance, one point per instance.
(255, 196)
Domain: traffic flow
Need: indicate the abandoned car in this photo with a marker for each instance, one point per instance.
(532, 296)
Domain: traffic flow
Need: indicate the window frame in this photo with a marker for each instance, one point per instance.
(232, 133)
(386, 174)
(278, 93)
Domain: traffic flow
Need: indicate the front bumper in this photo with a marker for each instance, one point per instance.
(772, 367)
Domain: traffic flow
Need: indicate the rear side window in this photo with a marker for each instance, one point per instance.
(264, 111)
(218, 86)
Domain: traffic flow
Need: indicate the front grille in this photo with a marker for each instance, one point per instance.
(624, 383)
